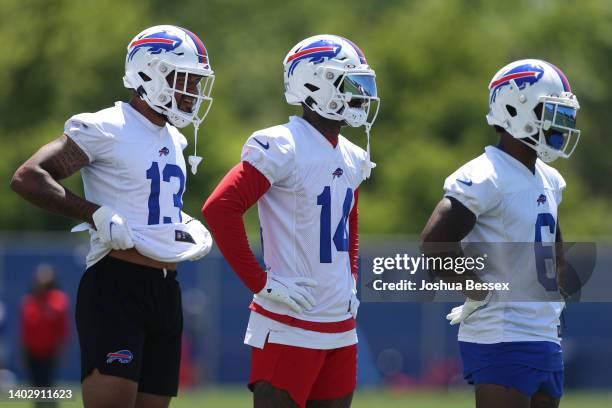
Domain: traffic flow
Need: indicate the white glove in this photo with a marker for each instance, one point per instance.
(201, 234)
(460, 313)
(290, 291)
(112, 228)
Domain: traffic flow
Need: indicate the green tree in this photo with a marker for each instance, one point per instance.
(433, 60)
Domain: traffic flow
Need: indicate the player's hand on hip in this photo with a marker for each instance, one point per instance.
(291, 291)
(460, 313)
(113, 228)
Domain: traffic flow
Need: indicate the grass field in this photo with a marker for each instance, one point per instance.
(241, 397)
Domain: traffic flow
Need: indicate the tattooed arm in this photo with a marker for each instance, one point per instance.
(37, 180)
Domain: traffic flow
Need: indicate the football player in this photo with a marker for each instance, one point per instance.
(128, 313)
(511, 350)
(305, 177)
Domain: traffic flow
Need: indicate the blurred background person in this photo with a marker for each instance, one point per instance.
(7, 377)
(44, 328)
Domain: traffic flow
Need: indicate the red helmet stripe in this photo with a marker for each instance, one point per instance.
(564, 81)
(151, 40)
(503, 79)
(309, 51)
(199, 46)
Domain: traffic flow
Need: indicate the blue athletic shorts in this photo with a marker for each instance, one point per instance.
(527, 366)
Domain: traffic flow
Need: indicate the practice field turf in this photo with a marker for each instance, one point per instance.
(241, 397)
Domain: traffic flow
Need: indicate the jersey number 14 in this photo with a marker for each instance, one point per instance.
(340, 238)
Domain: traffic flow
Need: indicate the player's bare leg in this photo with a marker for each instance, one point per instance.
(107, 391)
(144, 400)
(344, 402)
(265, 395)
(542, 400)
(498, 396)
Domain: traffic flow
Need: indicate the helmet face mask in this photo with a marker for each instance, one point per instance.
(532, 101)
(557, 134)
(360, 102)
(179, 91)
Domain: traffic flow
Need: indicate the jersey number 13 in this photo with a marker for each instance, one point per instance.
(153, 174)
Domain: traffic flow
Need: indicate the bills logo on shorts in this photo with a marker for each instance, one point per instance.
(122, 356)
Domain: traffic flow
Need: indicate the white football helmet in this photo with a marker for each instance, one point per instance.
(330, 75)
(532, 100)
(158, 58)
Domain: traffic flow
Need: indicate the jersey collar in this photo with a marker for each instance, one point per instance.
(318, 136)
(496, 151)
(134, 113)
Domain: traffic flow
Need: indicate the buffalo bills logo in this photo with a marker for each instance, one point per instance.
(164, 151)
(317, 52)
(521, 76)
(337, 173)
(541, 199)
(155, 43)
(122, 356)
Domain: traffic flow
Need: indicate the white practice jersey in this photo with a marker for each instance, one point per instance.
(304, 217)
(136, 168)
(512, 205)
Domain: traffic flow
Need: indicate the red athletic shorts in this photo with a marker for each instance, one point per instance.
(306, 374)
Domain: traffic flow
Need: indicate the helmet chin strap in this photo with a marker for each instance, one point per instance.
(368, 164)
(195, 160)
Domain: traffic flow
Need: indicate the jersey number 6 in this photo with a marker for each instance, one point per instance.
(544, 252)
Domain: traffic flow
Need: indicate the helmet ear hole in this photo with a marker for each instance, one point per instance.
(511, 110)
(310, 102)
(538, 110)
(311, 87)
(144, 76)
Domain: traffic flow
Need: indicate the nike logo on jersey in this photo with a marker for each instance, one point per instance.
(110, 230)
(265, 146)
(467, 183)
(164, 151)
